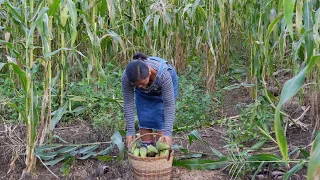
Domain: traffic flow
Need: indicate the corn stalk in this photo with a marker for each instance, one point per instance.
(270, 29)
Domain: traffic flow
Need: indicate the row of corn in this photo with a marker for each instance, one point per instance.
(161, 149)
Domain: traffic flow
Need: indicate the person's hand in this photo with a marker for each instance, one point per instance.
(167, 139)
(129, 139)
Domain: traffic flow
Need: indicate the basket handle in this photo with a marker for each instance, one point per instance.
(138, 137)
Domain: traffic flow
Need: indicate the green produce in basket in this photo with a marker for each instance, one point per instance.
(151, 148)
(162, 145)
(164, 152)
(136, 152)
(143, 152)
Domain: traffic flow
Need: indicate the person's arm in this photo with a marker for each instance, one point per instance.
(169, 102)
(128, 105)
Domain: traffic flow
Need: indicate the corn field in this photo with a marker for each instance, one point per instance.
(45, 46)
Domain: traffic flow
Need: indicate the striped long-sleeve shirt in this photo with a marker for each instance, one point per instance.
(165, 82)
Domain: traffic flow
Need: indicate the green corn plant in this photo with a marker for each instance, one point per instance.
(68, 22)
(267, 39)
(44, 26)
(314, 164)
(292, 86)
(27, 76)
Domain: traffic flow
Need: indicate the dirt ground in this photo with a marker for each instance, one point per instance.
(79, 131)
(82, 132)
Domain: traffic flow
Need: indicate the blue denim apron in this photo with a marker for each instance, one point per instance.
(149, 105)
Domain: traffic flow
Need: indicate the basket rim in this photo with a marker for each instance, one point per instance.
(139, 136)
(130, 155)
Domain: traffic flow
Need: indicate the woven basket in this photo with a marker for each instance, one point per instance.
(151, 167)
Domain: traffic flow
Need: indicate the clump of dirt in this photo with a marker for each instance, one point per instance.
(234, 100)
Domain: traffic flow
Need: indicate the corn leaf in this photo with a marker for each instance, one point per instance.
(189, 156)
(47, 156)
(21, 112)
(316, 35)
(88, 149)
(314, 163)
(305, 153)
(194, 8)
(103, 8)
(59, 138)
(266, 134)
(55, 52)
(145, 23)
(106, 151)
(195, 135)
(117, 139)
(87, 156)
(117, 39)
(264, 157)
(258, 145)
(64, 15)
(2, 65)
(180, 148)
(56, 161)
(68, 149)
(293, 170)
(288, 6)
(43, 28)
(48, 147)
(202, 164)
(15, 12)
(111, 10)
(79, 110)
(20, 73)
(258, 170)
(57, 115)
(266, 43)
(299, 7)
(53, 8)
(290, 88)
(74, 20)
(307, 19)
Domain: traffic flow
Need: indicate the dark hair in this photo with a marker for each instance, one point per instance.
(137, 70)
(140, 56)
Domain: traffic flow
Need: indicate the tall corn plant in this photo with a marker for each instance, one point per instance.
(26, 18)
(31, 17)
(270, 31)
(309, 58)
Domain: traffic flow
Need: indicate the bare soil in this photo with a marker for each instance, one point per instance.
(83, 132)
(79, 131)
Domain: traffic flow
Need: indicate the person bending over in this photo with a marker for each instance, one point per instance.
(153, 84)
